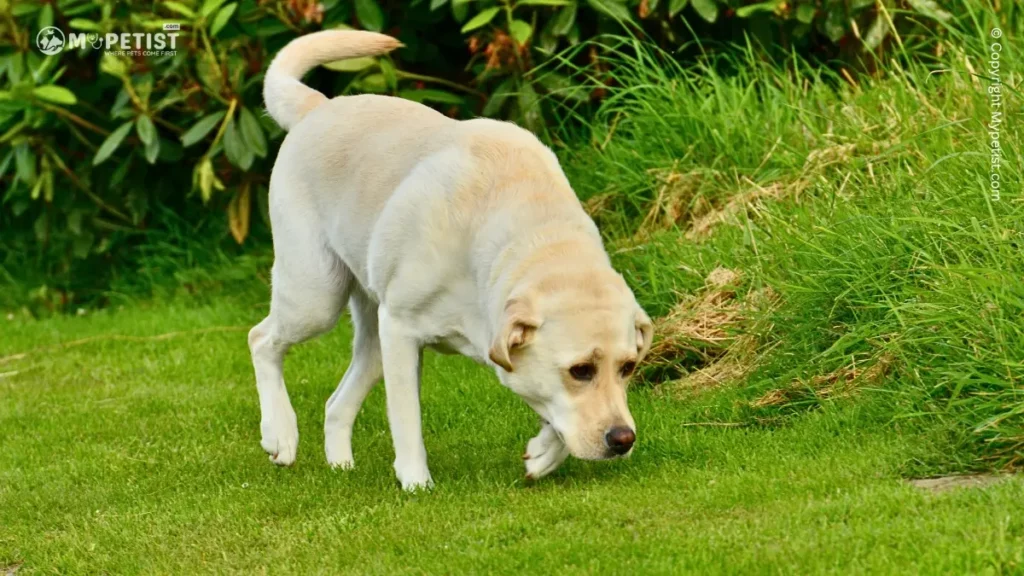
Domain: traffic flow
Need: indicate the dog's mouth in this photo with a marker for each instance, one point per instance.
(587, 453)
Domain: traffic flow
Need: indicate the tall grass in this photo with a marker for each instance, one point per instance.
(864, 203)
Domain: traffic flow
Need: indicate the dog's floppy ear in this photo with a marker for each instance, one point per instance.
(644, 333)
(518, 325)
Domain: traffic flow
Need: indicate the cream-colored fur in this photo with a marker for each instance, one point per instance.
(461, 236)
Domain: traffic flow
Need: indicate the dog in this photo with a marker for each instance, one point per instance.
(462, 236)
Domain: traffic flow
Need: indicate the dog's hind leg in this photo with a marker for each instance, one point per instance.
(363, 372)
(309, 287)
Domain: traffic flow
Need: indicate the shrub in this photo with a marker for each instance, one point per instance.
(93, 141)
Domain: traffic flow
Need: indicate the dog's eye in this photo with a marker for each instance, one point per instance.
(584, 372)
(627, 369)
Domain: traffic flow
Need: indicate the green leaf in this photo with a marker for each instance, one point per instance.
(676, 6)
(85, 24)
(529, 108)
(15, 67)
(252, 133)
(152, 151)
(120, 173)
(222, 18)
(498, 97)
(387, 69)
(430, 95)
(747, 11)
(55, 94)
(544, 3)
(521, 31)
(205, 179)
(613, 8)
(209, 7)
(805, 13)
(370, 15)
(22, 8)
(145, 129)
(111, 143)
(200, 129)
(562, 86)
(272, 28)
(208, 68)
(235, 149)
(5, 165)
(113, 65)
(82, 244)
(460, 10)
(45, 18)
(435, 4)
(931, 9)
(75, 221)
(375, 83)
(143, 86)
(179, 8)
(24, 164)
(563, 21)
(835, 25)
(351, 65)
(707, 9)
(876, 33)
(481, 19)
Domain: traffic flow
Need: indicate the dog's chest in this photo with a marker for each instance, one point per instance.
(447, 320)
(455, 343)
(454, 329)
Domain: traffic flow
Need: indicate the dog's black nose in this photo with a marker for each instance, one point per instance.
(620, 439)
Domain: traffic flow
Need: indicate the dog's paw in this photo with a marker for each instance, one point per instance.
(414, 477)
(338, 448)
(544, 453)
(340, 459)
(281, 438)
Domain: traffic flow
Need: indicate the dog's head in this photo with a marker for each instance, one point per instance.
(568, 345)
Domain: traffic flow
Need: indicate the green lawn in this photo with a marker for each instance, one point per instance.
(142, 455)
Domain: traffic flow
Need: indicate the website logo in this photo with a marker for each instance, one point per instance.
(50, 40)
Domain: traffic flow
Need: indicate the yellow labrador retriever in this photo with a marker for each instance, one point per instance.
(462, 236)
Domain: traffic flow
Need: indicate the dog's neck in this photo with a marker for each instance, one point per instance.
(533, 248)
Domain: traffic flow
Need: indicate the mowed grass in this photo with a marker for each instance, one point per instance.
(128, 453)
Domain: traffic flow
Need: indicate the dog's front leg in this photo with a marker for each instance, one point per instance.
(401, 353)
(545, 452)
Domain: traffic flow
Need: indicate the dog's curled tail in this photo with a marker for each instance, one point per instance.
(287, 98)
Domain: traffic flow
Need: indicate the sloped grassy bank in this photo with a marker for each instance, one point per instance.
(810, 240)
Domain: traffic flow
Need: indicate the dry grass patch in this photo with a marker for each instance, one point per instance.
(702, 227)
(732, 366)
(678, 199)
(839, 383)
(698, 324)
(599, 205)
(705, 341)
